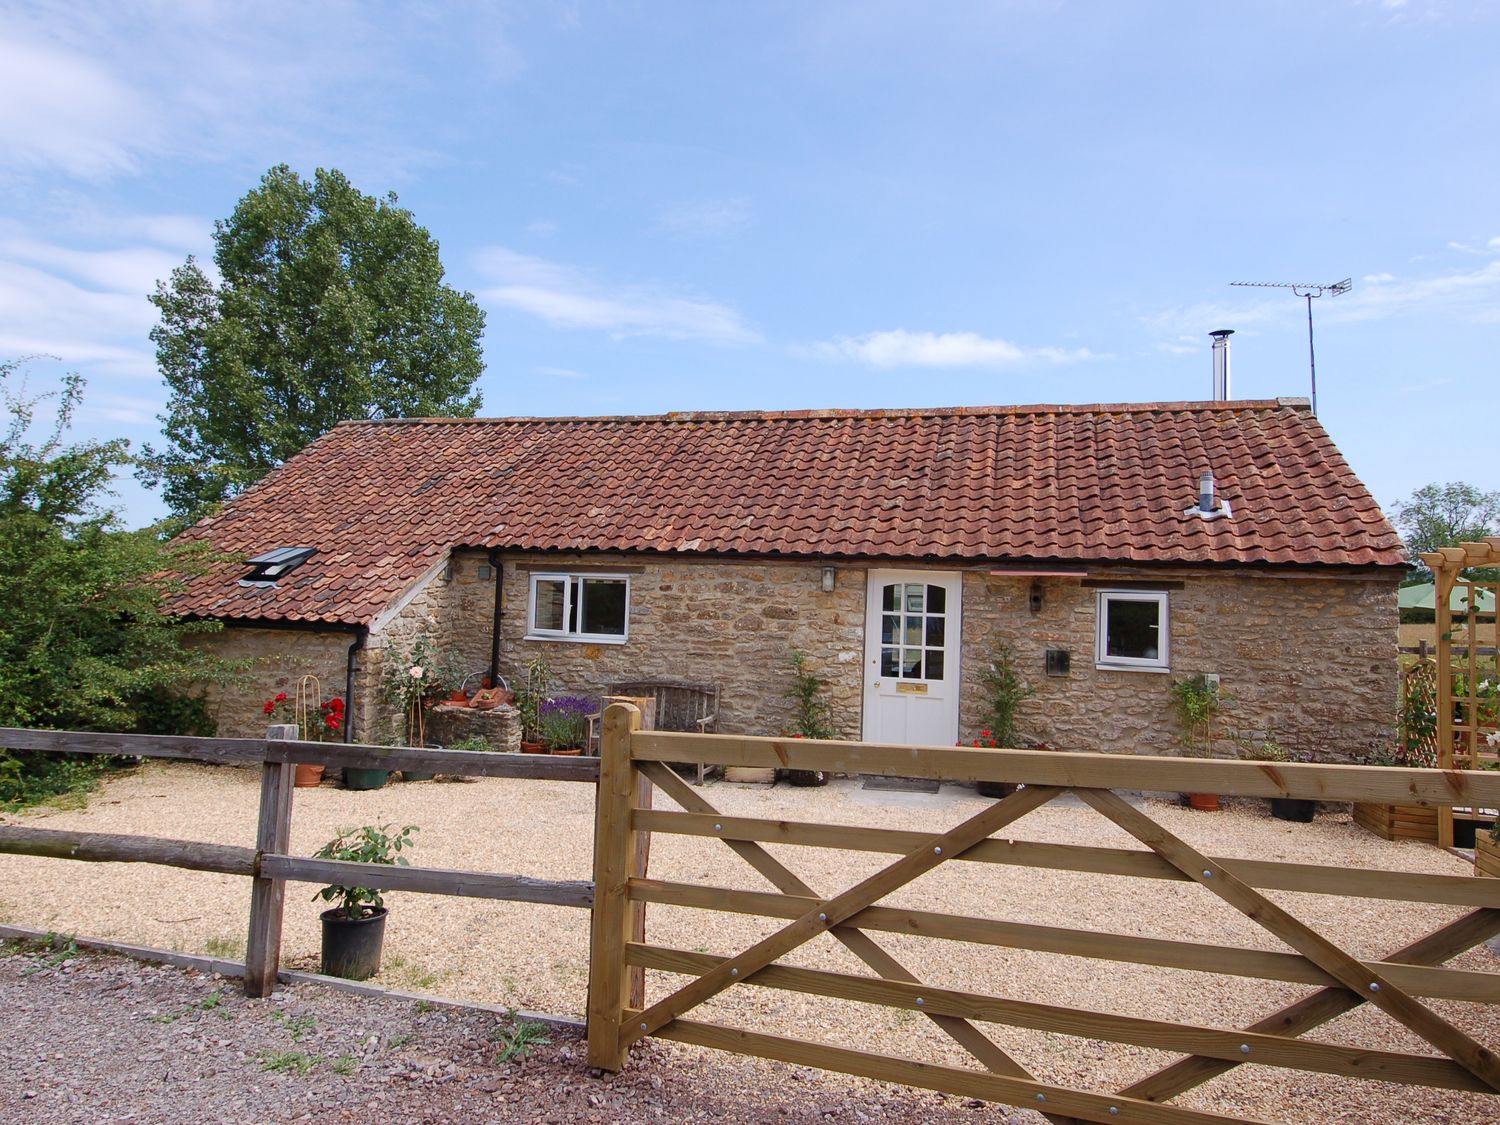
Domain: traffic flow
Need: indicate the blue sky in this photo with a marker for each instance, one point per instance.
(673, 206)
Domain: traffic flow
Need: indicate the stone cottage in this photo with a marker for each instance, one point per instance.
(1114, 548)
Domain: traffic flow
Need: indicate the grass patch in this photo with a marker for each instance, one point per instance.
(297, 1025)
(28, 779)
(288, 1062)
(396, 1042)
(53, 949)
(228, 948)
(403, 974)
(344, 1066)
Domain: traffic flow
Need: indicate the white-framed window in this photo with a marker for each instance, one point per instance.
(1133, 632)
(579, 607)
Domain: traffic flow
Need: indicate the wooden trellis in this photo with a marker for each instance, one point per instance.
(1468, 680)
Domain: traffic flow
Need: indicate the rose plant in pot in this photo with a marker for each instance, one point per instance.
(317, 720)
(354, 930)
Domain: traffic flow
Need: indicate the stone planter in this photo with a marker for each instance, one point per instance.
(1398, 822)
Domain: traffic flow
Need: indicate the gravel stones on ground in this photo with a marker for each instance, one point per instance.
(535, 957)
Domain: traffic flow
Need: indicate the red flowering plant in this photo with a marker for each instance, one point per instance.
(319, 722)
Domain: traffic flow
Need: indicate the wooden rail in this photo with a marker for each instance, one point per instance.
(1398, 983)
(267, 864)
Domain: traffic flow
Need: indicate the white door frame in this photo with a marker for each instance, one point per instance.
(906, 709)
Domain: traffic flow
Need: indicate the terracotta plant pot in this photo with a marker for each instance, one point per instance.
(457, 697)
(308, 777)
(1204, 802)
(533, 748)
(570, 752)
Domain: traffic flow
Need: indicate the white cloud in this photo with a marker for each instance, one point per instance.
(714, 218)
(541, 228)
(96, 91)
(900, 348)
(1493, 244)
(1378, 278)
(69, 112)
(559, 372)
(570, 298)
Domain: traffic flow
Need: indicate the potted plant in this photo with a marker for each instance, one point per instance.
(528, 704)
(564, 722)
(316, 719)
(1007, 689)
(1297, 809)
(1196, 701)
(354, 930)
(812, 718)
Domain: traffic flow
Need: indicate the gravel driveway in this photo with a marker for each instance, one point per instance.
(535, 957)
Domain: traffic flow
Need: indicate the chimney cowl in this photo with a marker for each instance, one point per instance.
(1209, 506)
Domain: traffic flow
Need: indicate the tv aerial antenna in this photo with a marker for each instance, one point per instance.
(1307, 291)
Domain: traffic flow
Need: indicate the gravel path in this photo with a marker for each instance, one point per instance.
(535, 957)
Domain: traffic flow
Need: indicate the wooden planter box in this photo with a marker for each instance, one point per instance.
(1486, 855)
(1398, 822)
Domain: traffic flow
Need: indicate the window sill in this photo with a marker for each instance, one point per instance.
(1133, 668)
(575, 639)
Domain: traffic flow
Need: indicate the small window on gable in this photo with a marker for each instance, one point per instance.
(266, 569)
(1132, 632)
(579, 607)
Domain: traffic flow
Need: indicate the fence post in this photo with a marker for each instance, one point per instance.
(615, 857)
(273, 834)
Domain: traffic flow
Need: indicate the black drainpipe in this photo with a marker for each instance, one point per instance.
(499, 568)
(358, 643)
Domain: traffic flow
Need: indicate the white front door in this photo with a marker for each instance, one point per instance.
(911, 657)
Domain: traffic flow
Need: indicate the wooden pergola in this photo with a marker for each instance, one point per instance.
(1468, 699)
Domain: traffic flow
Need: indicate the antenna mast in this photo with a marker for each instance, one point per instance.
(1308, 292)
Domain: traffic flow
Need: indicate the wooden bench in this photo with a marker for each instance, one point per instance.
(681, 705)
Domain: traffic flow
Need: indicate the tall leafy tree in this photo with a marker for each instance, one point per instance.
(1441, 515)
(329, 304)
(84, 642)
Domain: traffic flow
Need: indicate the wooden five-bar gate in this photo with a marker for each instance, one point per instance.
(635, 762)
(634, 759)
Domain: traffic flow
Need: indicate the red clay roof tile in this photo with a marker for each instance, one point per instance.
(383, 500)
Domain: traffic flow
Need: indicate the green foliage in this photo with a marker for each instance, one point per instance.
(529, 699)
(1196, 702)
(517, 1043)
(474, 744)
(84, 644)
(812, 713)
(1006, 689)
(287, 1062)
(366, 844)
(1442, 515)
(330, 305)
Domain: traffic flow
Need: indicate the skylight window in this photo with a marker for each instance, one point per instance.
(267, 568)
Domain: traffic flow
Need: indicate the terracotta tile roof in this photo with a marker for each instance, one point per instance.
(383, 500)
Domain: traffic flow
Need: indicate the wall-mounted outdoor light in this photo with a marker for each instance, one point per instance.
(828, 579)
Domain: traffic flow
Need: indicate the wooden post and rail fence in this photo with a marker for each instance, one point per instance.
(634, 762)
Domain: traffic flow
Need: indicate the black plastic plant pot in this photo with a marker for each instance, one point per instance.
(1293, 808)
(365, 779)
(351, 946)
(807, 778)
(995, 788)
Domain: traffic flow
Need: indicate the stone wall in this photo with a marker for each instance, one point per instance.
(279, 658)
(1308, 661)
(733, 623)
